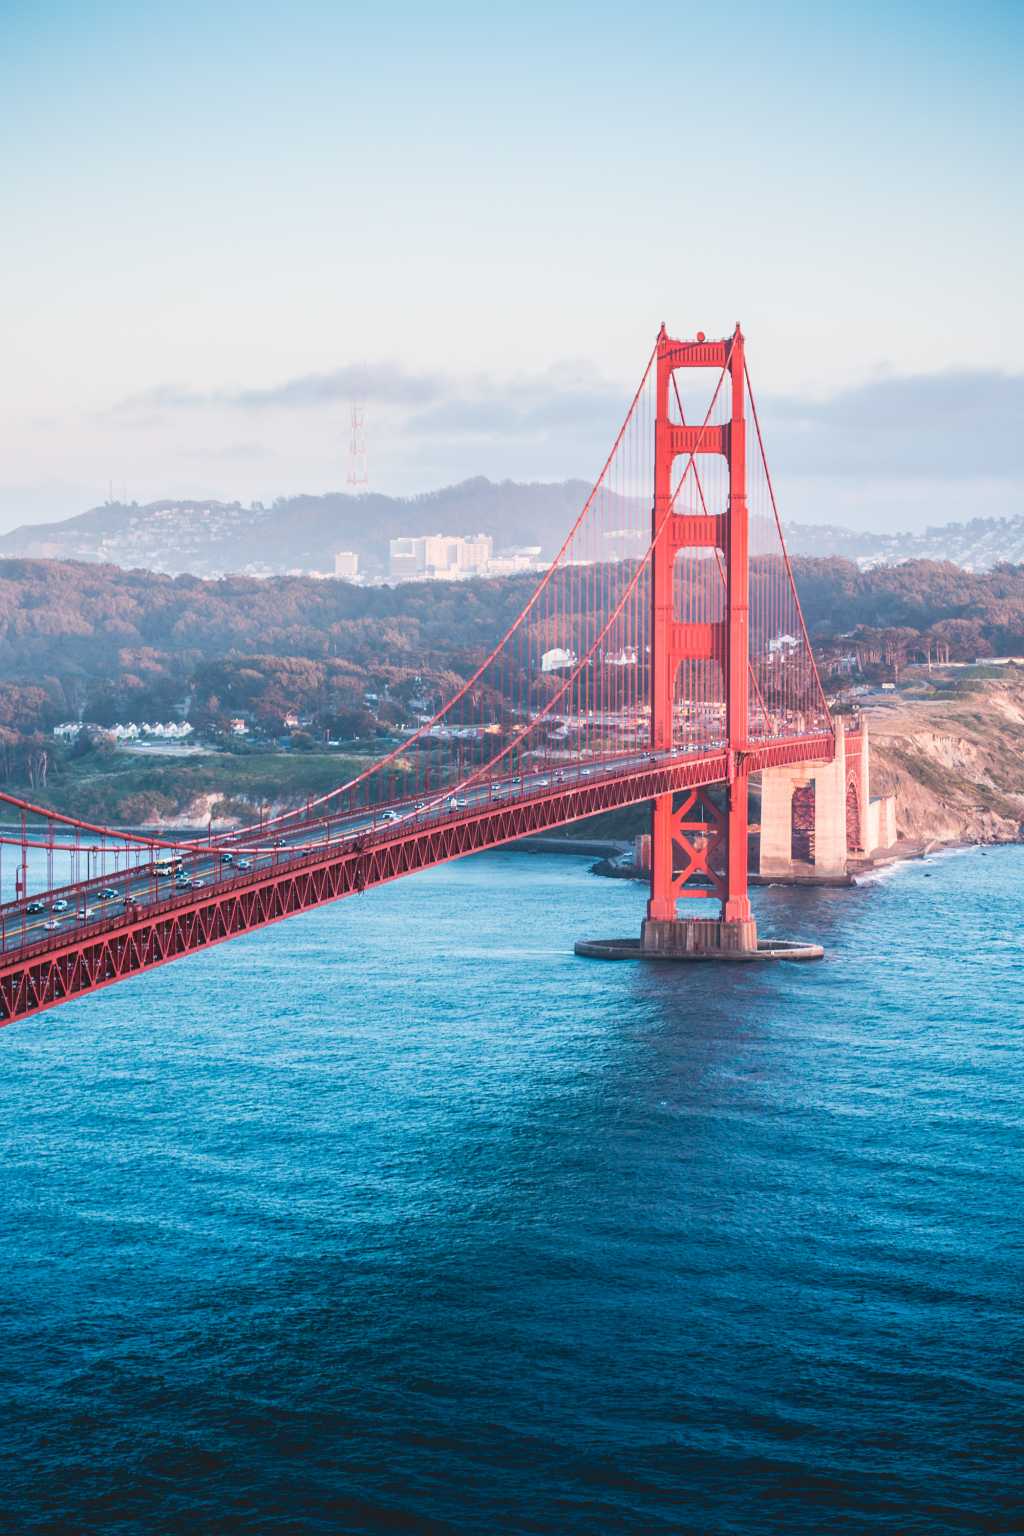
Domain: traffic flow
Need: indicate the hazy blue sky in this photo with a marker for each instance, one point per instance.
(221, 220)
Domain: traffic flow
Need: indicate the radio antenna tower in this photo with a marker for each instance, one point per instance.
(357, 470)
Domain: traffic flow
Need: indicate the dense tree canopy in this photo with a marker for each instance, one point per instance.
(103, 644)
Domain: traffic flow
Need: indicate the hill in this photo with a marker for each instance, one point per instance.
(304, 660)
(977, 545)
(81, 641)
(949, 749)
(299, 533)
(303, 533)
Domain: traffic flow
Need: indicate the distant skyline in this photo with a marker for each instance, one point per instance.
(224, 223)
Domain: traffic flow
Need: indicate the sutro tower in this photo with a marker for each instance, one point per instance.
(357, 471)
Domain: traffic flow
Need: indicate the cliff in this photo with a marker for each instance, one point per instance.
(954, 758)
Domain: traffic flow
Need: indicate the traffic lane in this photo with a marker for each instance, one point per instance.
(145, 889)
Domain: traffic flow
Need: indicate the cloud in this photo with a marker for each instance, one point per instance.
(562, 399)
(567, 398)
(956, 425)
(962, 424)
(380, 382)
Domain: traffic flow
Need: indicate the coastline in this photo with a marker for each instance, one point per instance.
(904, 852)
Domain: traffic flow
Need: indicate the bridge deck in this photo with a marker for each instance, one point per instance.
(318, 864)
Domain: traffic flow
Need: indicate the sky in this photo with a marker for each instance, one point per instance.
(223, 224)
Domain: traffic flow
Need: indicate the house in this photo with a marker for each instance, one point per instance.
(557, 659)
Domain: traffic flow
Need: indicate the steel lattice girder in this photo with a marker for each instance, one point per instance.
(50, 972)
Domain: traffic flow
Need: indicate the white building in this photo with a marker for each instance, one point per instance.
(443, 556)
(782, 647)
(557, 659)
(132, 731)
(346, 564)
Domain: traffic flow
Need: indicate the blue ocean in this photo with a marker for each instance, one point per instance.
(399, 1217)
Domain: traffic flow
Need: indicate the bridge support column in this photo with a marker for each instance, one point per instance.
(804, 820)
(697, 937)
(816, 817)
(718, 856)
(699, 846)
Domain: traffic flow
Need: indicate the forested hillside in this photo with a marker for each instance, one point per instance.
(97, 643)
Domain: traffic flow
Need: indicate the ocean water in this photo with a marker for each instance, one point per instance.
(398, 1217)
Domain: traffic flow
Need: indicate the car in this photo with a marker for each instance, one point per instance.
(543, 783)
(228, 858)
(245, 864)
(389, 815)
(108, 893)
(35, 906)
(51, 923)
(195, 884)
(515, 779)
(183, 883)
(60, 905)
(84, 912)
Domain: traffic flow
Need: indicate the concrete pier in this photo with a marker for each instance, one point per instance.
(711, 936)
(815, 817)
(698, 938)
(632, 949)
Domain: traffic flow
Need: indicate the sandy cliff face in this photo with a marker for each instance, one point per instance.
(955, 764)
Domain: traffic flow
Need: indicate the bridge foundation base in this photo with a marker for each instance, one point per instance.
(670, 937)
(698, 938)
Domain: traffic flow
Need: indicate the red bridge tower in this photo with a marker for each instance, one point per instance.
(711, 846)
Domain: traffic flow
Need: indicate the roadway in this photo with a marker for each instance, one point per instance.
(243, 853)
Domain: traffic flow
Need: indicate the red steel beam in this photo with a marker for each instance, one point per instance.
(53, 971)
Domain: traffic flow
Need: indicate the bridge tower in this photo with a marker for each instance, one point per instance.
(694, 838)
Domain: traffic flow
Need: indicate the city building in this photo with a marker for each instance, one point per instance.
(439, 556)
(508, 561)
(346, 564)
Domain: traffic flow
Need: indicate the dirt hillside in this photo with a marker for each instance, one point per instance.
(953, 756)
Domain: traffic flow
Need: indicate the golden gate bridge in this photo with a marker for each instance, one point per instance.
(662, 653)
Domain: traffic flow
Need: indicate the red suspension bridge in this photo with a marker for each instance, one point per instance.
(662, 653)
